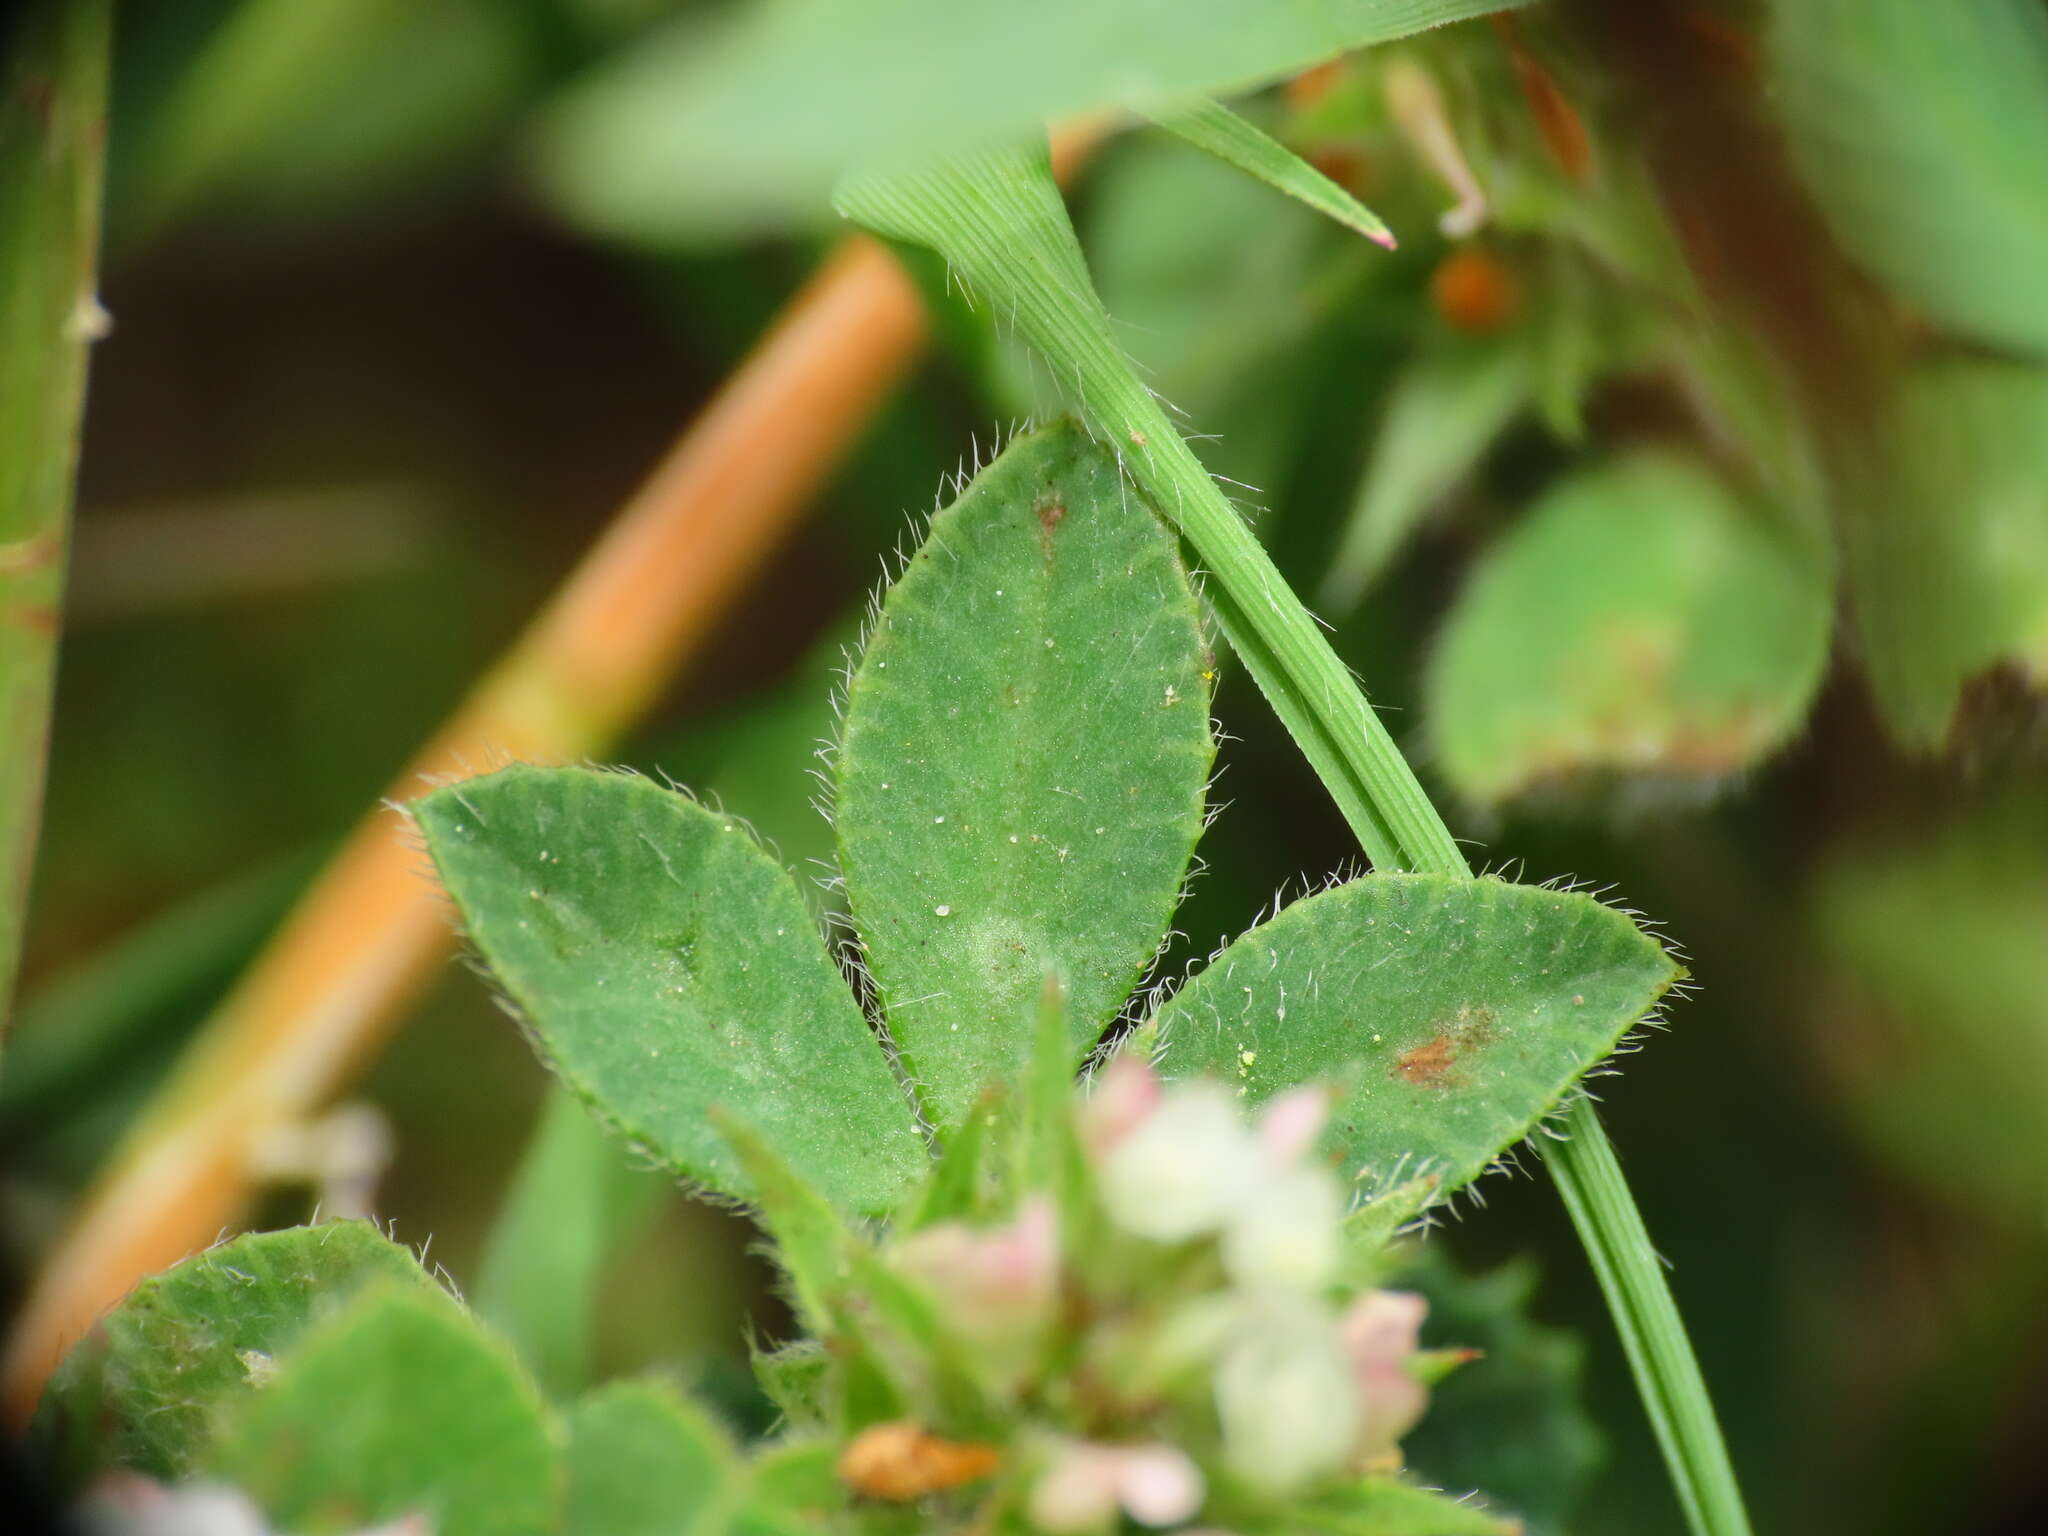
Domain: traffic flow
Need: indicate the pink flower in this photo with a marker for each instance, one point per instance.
(1380, 1331)
(1122, 1094)
(1291, 1122)
(1085, 1483)
(989, 1284)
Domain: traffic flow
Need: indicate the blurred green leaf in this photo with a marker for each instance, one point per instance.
(644, 1461)
(397, 1405)
(1215, 129)
(665, 965)
(1452, 1015)
(1922, 130)
(574, 1200)
(1641, 620)
(187, 1346)
(300, 106)
(1021, 775)
(1936, 1028)
(719, 129)
(1443, 412)
(1513, 1422)
(1949, 552)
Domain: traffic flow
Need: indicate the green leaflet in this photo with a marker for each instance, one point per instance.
(1949, 555)
(1214, 128)
(398, 1405)
(720, 130)
(1452, 1014)
(574, 1201)
(644, 1461)
(997, 217)
(186, 1346)
(1021, 772)
(665, 964)
(1922, 131)
(1442, 414)
(1640, 620)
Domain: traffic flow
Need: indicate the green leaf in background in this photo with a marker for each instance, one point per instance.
(644, 1461)
(53, 132)
(575, 1199)
(1922, 131)
(665, 964)
(1642, 619)
(1452, 1015)
(398, 1405)
(1946, 1077)
(721, 129)
(1023, 762)
(1514, 1421)
(1442, 413)
(185, 1346)
(1949, 554)
(1215, 129)
(793, 1488)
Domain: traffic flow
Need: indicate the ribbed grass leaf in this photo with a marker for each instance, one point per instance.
(1021, 773)
(644, 1461)
(1642, 620)
(1452, 1014)
(1922, 130)
(1214, 128)
(666, 964)
(713, 130)
(187, 1345)
(399, 1405)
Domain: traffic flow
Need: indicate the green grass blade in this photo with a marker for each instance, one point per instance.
(53, 129)
(1631, 1275)
(1214, 128)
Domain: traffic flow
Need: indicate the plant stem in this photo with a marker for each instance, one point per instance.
(52, 162)
(370, 932)
(1631, 1275)
(997, 217)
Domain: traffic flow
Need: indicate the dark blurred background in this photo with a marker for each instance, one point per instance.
(370, 392)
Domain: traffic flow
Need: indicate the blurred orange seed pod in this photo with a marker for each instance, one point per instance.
(899, 1461)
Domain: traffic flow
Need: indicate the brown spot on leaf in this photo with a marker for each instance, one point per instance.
(1051, 513)
(1433, 1063)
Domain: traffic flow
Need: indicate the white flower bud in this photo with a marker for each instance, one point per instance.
(1286, 1397)
(1283, 1236)
(1183, 1169)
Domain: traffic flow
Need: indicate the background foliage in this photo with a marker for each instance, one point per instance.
(383, 364)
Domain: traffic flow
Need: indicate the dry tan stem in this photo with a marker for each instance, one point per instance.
(321, 999)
